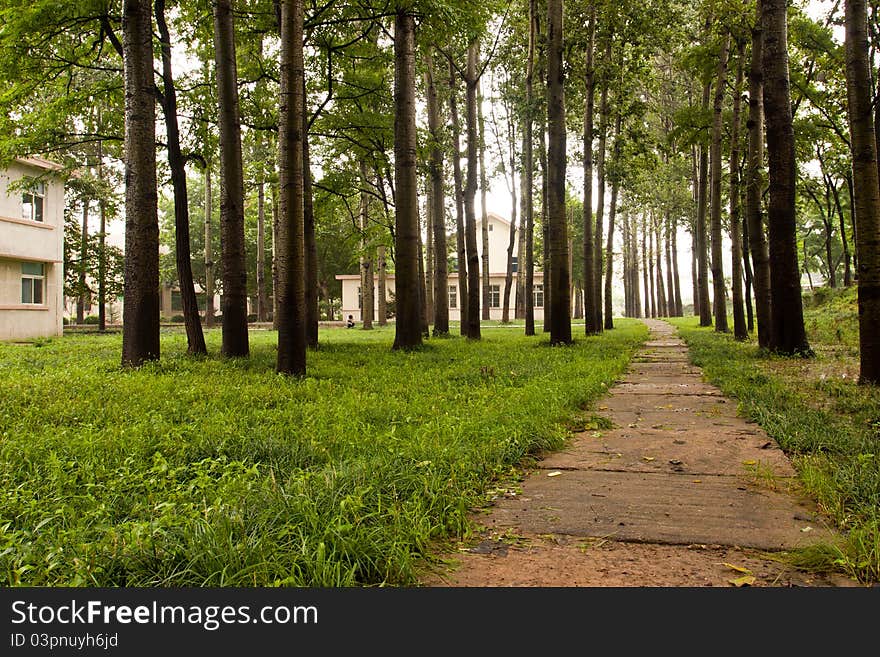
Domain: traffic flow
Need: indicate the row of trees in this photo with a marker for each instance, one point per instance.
(677, 109)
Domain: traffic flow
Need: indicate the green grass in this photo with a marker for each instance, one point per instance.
(205, 472)
(815, 410)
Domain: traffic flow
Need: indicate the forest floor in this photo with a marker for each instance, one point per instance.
(673, 490)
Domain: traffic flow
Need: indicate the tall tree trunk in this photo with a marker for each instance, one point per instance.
(209, 258)
(261, 251)
(740, 331)
(719, 288)
(140, 330)
(408, 327)
(423, 289)
(645, 273)
(667, 253)
(484, 184)
(662, 310)
(290, 244)
(749, 277)
(511, 239)
(702, 206)
(438, 205)
(676, 280)
(787, 333)
(755, 183)
(382, 287)
(429, 256)
(591, 325)
(651, 279)
(600, 192)
(368, 301)
(560, 272)
(195, 339)
(470, 193)
(83, 263)
(609, 247)
(528, 182)
(459, 204)
(866, 190)
(102, 248)
(847, 271)
(234, 301)
(310, 242)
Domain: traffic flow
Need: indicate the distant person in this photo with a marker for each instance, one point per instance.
(350, 322)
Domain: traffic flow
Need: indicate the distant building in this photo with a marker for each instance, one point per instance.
(31, 250)
(499, 238)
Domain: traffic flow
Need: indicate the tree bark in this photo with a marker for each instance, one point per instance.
(310, 242)
(484, 184)
(382, 286)
(290, 245)
(459, 204)
(438, 224)
(787, 335)
(740, 331)
(408, 329)
(470, 193)
(755, 183)
(140, 330)
(83, 263)
(560, 273)
(209, 262)
(234, 301)
(719, 288)
(528, 181)
(866, 189)
(591, 325)
(368, 301)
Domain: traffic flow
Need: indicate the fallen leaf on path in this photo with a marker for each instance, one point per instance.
(698, 481)
(806, 529)
(745, 580)
(648, 458)
(555, 473)
(749, 462)
(739, 569)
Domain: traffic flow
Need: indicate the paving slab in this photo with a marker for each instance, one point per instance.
(678, 466)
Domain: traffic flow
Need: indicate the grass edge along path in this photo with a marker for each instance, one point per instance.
(211, 472)
(834, 448)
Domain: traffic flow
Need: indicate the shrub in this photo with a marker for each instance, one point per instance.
(178, 319)
(91, 319)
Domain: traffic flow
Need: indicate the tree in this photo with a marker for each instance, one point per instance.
(437, 223)
(591, 325)
(140, 331)
(234, 304)
(720, 305)
(787, 333)
(740, 331)
(866, 189)
(408, 327)
(290, 249)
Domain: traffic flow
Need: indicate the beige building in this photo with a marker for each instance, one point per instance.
(499, 237)
(31, 250)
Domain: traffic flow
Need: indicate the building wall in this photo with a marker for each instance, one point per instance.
(28, 241)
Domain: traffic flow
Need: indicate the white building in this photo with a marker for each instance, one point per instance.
(499, 238)
(31, 250)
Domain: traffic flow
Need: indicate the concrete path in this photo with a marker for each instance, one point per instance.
(678, 468)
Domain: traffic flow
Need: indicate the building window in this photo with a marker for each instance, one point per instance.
(538, 296)
(360, 299)
(33, 277)
(490, 227)
(32, 203)
(453, 296)
(494, 296)
(514, 264)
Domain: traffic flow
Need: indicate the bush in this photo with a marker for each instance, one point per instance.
(91, 319)
(178, 319)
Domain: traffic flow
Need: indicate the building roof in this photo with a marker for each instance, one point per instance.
(40, 163)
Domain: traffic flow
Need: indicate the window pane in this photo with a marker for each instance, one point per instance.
(38, 290)
(27, 290)
(32, 268)
(27, 206)
(38, 208)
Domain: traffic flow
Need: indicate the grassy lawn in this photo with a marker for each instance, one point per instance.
(820, 416)
(208, 472)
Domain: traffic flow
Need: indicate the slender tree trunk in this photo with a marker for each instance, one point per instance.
(234, 301)
(702, 206)
(787, 333)
(560, 272)
(754, 210)
(609, 247)
(637, 298)
(459, 204)
(651, 279)
(645, 273)
(209, 261)
(670, 284)
(676, 280)
(720, 290)
(423, 288)
(290, 244)
(368, 301)
(749, 277)
(102, 248)
(429, 256)
(83, 263)
(382, 287)
(438, 224)
(866, 190)
(408, 328)
(484, 184)
(600, 192)
(740, 331)
(511, 240)
(590, 312)
(310, 242)
(661, 288)
(847, 271)
(140, 330)
(195, 339)
(470, 192)
(528, 183)
(261, 251)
